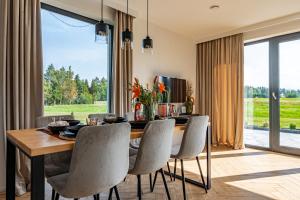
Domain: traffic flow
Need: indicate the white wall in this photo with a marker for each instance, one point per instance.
(174, 55)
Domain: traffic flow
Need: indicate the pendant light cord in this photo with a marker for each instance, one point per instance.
(127, 16)
(102, 10)
(147, 18)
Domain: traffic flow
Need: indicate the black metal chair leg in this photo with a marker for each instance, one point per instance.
(57, 196)
(150, 181)
(154, 181)
(201, 174)
(110, 193)
(169, 170)
(165, 183)
(183, 180)
(117, 193)
(139, 185)
(53, 195)
(96, 197)
(175, 166)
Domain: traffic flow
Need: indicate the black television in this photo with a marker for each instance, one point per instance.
(176, 88)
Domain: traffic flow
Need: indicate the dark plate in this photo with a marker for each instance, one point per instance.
(72, 122)
(138, 124)
(181, 120)
(115, 120)
(76, 128)
(56, 129)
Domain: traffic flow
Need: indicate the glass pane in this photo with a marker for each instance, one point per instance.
(256, 95)
(289, 63)
(75, 67)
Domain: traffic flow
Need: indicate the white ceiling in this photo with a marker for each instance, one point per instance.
(194, 19)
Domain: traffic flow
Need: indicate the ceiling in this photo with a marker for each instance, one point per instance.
(194, 19)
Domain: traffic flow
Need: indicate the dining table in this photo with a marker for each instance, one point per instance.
(35, 143)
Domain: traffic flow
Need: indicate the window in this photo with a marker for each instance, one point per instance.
(76, 68)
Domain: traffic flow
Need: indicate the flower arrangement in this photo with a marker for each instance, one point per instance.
(148, 97)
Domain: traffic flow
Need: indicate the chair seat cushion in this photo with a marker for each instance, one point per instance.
(57, 163)
(58, 182)
(133, 151)
(131, 162)
(175, 150)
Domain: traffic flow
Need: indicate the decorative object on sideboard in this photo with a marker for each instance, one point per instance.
(127, 35)
(189, 104)
(148, 97)
(101, 29)
(147, 44)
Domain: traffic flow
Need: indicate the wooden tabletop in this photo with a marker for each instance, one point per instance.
(35, 143)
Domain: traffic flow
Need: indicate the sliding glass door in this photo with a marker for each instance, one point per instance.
(275, 102)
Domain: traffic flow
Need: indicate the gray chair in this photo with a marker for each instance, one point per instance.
(100, 161)
(193, 143)
(57, 163)
(100, 116)
(154, 152)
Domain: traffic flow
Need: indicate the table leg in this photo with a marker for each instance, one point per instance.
(208, 157)
(10, 170)
(37, 178)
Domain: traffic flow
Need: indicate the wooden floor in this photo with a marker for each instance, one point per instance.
(246, 174)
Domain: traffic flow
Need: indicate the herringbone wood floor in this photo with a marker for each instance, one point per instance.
(246, 174)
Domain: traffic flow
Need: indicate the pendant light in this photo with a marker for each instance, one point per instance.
(101, 29)
(147, 44)
(127, 34)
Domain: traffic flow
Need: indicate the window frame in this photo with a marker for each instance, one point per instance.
(110, 44)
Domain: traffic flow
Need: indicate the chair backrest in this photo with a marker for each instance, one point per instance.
(194, 137)
(100, 116)
(129, 116)
(100, 160)
(155, 147)
(43, 121)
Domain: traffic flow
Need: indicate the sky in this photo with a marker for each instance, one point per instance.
(65, 45)
(256, 72)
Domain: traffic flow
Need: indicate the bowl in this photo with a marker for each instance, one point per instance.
(73, 122)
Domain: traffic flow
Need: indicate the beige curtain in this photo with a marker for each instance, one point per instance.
(122, 67)
(220, 86)
(21, 97)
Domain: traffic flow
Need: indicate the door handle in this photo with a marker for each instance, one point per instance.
(274, 96)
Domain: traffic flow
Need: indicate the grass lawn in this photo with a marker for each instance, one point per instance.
(80, 111)
(257, 112)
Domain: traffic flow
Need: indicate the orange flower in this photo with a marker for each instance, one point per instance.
(161, 87)
(136, 90)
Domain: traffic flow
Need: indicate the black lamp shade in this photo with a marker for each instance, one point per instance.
(101, 28)
(147, 43)
(127, 35)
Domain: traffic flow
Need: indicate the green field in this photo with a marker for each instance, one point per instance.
(257, 112)
(80, 111)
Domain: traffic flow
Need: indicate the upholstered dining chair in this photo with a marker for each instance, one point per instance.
(193, 143)
(154, 151)
(57, 163)
(100, 116)
(100, 161)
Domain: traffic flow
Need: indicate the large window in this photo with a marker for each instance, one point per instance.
(272, 93)
(76, 68)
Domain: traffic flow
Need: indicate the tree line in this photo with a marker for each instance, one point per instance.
(263, 92)
(62, 86)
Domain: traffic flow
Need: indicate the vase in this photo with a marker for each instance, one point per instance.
(149, 112)
(189, 104)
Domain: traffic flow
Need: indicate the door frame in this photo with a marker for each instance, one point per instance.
(274, 84)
